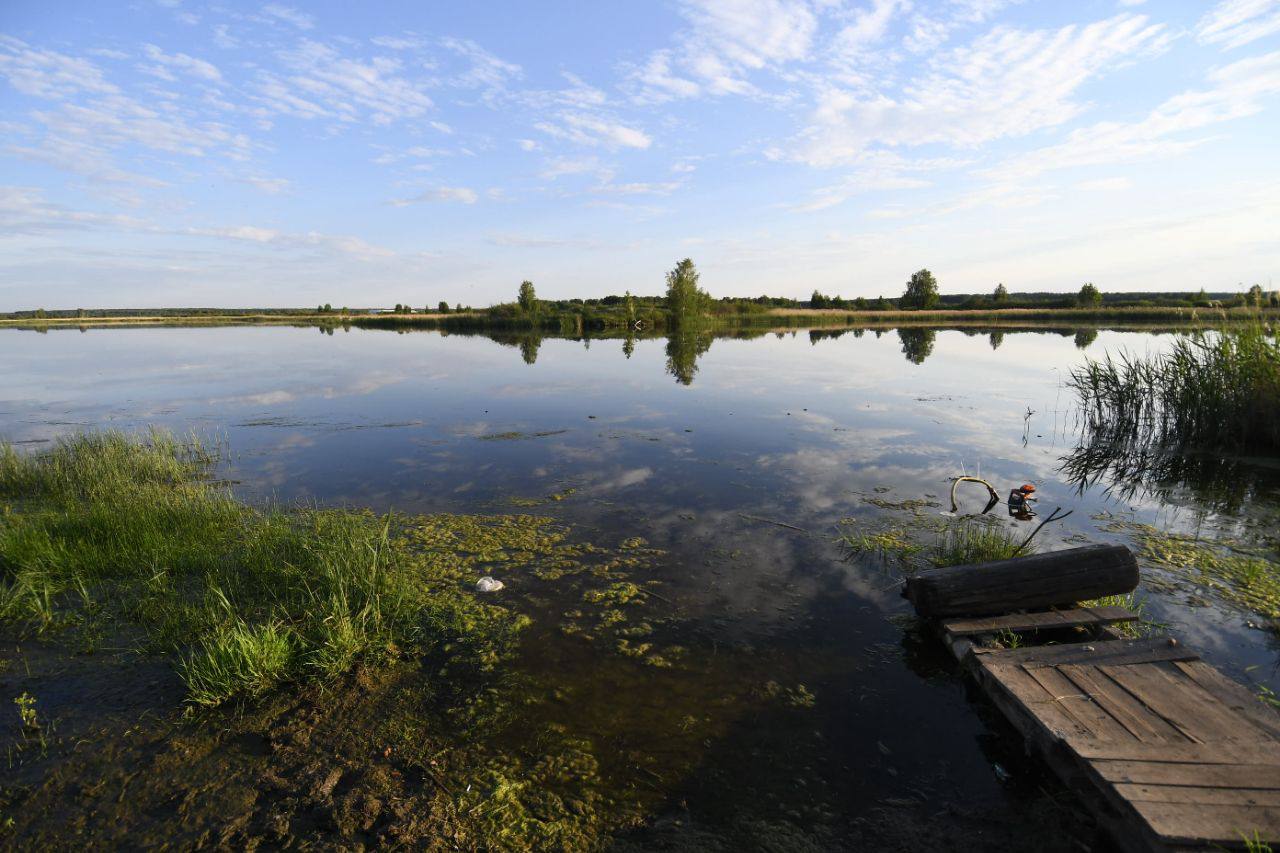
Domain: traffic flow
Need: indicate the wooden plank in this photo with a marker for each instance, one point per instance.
(1190, 711)
(1079, 705)
(1039, 621)
(1233, 695)
(1263, 753)
(1193, 774)
(1048, 716)
(1193, 794)
(1177, 823)
(1098, 653)
(1137, 718)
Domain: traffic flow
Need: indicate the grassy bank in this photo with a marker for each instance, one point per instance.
(1207, 392)
(611, 319)
(108, 530)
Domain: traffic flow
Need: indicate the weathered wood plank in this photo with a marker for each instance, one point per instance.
(1233, 695)
(1188, 710)
(1039, 621)
(1194, 774)
(1053, 721)
(1176, 823)
(1262, 753)
(1079, 705)
(1129, 712)
(1097, 653)
(1193, 794)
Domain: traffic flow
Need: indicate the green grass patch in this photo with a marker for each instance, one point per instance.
(131, 528)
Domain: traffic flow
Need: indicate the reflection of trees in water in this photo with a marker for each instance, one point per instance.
(1084, 337)
(529, 345)
(917, 344)
(683, 349)
(1128, 470)
(996, 338)
(629, 345)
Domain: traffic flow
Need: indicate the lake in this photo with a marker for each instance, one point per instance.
(794, 685)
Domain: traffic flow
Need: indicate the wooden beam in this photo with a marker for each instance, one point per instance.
(1044, 620)
(1024, 583)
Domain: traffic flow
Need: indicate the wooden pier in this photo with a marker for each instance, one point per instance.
(1168, 753)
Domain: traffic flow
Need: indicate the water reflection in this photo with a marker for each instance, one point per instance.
(683, 350)
(917, 344)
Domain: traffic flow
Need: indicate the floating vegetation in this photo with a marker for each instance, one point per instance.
(797, 697)
(912, 504)
(1246, 578)
(551, 498)
(894, 542)
(516, 435)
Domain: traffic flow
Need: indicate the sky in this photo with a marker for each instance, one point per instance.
(190, 153)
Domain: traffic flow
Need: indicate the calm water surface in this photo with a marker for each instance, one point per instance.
(788, 428)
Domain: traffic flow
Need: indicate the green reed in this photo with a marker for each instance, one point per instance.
(1214, 391)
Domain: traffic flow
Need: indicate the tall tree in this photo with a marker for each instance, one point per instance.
(528, 298)
(1089, 296)
(921, 292)
(1001, 294)
(443, 307)
(685, 300)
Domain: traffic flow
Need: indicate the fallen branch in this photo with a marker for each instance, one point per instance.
(1053, 516)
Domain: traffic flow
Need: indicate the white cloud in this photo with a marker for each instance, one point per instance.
(639, 188)
(183, 63)
(1007, 83)
(592, 129)
(1237, 90)
(487, 72)
(289, 15)
(270, 186)
(328, 84)
(1233, 23)
(49, 74)
(727, 40)
(560, 166)
(458, 194)
(1106, 184)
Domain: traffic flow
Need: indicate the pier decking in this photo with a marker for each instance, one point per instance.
(1166, 751)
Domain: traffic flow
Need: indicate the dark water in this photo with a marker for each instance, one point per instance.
(712, 450)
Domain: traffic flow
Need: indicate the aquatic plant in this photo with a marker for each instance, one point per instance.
(247, 596)
(972, 540)
(1219, 391)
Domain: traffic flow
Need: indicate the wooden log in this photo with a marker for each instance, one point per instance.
(1022, 583)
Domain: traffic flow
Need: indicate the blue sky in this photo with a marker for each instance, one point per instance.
(180, 152)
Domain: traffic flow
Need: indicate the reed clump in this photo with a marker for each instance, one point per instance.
(246, 597)
(969, 541)
(1218, 391)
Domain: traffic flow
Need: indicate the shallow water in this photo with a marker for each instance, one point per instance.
(738, 462)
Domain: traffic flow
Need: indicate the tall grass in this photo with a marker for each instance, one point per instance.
(1218, 391)
(974, 541)
(247, 597)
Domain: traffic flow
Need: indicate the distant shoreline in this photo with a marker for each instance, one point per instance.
(769, 320)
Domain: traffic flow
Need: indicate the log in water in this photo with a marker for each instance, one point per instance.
(1037, 580)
